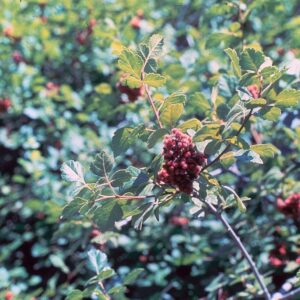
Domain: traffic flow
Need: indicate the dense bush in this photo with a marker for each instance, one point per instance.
(147, 93)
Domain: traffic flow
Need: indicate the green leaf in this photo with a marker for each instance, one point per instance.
(117, 290)
(133, 82)
(58, 262)
(156, 43)
(220, 38)
(194, 124)
(74, 207)
(251, 60)
(72, 171)
(287, 98)
(248, 156)
(102, 165)
(121, 140)
(145, 212)
(209, 131)
(75, 295)
(97, 260)
(170, 114)
(132, 276)
(107, 214)
(270, 113)
(264, 150)
(130, 62)
(234, 61)
(150, 63)
(200, 104)
(154, 80)
(120, 177)
(156, 136)
(227, 159)
(241, 206)
(105, 274)
(256, 103)
(175, 98)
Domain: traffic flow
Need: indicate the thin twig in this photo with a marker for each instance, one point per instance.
(240, 245)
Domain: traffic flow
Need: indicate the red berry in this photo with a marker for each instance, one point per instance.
(143, 258)
(132, 94)
(254, 91)
(290, 206)
(95, 232)
(9, 295)
(179, 221)
(17, 57)
(92, 23)
(8, 31)
(5, 104)
(135, 22)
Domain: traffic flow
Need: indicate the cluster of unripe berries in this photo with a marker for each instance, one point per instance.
(290, 206)
(254, 91)
(128, 94)
(182, 162)
(5, 104)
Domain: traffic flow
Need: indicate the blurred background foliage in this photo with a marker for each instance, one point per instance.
(60, 99)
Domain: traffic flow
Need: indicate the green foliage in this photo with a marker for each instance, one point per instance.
(65, 68)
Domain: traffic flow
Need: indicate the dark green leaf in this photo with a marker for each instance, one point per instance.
(122, 140)
(102, 165)
(251, 60)
(120, 177)
(234, 61)
(156, 136)
(107, 214)
(132, 276)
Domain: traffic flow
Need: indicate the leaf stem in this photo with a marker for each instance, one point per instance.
(240, 245)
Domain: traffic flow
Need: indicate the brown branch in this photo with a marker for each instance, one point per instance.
(240, 245)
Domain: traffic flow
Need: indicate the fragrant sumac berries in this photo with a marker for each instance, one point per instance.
(254, 91)
(290, 206)
(5, 104)
(182, 162)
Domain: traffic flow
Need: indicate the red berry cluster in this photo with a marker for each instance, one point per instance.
(5, 104)
(278, 256)
(254, 91)
(132, 94)
(281, 255)
(290, 206)
(182, 162)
